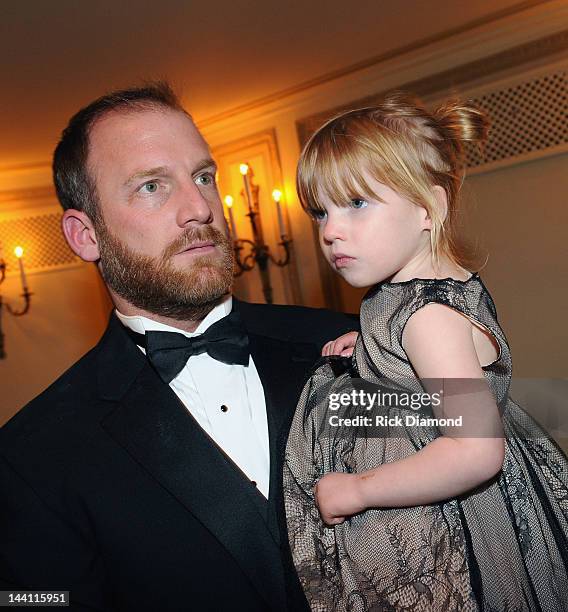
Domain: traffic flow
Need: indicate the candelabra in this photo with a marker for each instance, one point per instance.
(249, 253)
(26, 294)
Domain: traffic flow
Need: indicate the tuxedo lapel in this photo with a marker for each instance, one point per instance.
(158, 432)
(283, 367)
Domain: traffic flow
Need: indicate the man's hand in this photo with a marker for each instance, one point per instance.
(341, 346)
(338, 496)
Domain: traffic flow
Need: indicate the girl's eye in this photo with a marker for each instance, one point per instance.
(317, 214)
(205, 179)
(358, 203)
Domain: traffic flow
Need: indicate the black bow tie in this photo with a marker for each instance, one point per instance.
(168, 352)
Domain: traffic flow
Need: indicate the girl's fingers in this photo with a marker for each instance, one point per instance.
(341, 346)
(333, 520)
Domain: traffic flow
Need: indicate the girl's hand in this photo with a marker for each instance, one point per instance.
(341, 346)
(338, 496)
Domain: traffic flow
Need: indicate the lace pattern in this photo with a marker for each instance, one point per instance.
(442, 556)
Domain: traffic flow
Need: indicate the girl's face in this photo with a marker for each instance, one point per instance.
(386, 237)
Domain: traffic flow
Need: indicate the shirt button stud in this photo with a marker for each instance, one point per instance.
(253, 482)
(224, 408)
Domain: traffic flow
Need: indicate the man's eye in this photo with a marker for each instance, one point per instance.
(149, 187)
(205, 179)
(358, 203)
(317, 214)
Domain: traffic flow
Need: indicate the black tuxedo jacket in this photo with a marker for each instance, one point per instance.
(110, 489)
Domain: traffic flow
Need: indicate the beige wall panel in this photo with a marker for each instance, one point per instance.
(68, 315)
(519, 216)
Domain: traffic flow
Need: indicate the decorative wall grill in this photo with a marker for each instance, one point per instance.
(526, 118)
(41, 238)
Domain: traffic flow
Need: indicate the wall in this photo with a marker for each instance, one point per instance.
(68, 314)
(519, 216)
(69, 306)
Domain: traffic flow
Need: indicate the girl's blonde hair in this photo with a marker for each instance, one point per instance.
(402, 145)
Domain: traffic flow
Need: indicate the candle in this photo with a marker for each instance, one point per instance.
(244, 171)
(277, 196)
(229, 203)
(18, 251)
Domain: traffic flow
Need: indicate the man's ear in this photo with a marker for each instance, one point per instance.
(80, 234)
(441, 198)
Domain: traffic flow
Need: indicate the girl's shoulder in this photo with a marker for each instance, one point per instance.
(388, 306)
(401, 299)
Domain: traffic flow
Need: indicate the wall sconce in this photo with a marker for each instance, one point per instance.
(18, 252)
(258, 251)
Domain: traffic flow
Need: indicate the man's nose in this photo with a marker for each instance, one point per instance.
(192, 206)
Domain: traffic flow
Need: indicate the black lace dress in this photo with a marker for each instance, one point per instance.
(502, 547)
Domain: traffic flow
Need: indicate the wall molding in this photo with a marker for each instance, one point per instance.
(372, 61)
(25, 195)
(519, 26)
(458, 77)
(26, 185)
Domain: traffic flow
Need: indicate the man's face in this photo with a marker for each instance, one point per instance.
(163, 237)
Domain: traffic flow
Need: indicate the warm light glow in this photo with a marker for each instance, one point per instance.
(18, 251)
(277, 195)
(228, 201)
(243, 168)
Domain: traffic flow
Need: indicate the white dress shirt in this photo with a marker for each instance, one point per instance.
(226, 400)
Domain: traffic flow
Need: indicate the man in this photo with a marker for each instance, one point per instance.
(148, 476)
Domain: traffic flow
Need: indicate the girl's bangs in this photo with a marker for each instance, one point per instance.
(333, 168)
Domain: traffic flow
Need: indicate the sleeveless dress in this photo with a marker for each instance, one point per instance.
(501, 547)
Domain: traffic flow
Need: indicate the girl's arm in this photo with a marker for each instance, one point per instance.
(439, 343)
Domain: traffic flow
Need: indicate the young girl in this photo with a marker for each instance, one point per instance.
(426, 518)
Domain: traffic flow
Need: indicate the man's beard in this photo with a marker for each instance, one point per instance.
(155, 286)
